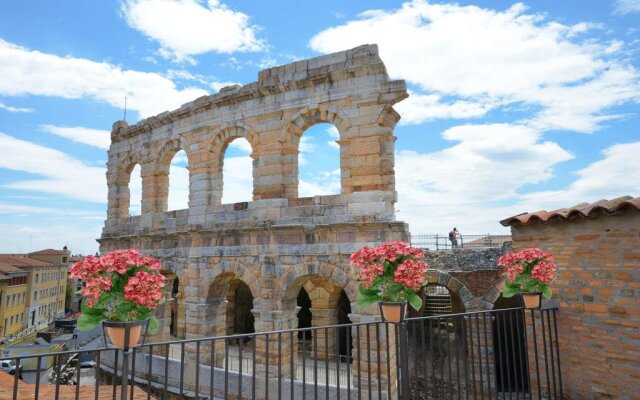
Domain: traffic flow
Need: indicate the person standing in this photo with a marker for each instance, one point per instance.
(453, 237)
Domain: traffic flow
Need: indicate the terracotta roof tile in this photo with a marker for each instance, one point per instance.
(583, 209)
(26, 391)
(51, 251)
(21, 260)
(10, 269)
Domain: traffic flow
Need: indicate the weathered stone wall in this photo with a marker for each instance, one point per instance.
(278, 243)
(598, 291)
(464, 259)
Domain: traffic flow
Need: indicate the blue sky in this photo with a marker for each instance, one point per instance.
(514, 107)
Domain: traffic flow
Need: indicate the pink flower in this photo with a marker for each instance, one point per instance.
(95, 286)
(408, 264)
(144, 288)
(86, 267)
(411, 273)
(544, 272)
(530, 262)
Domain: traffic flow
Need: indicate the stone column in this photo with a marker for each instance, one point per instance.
(205, 320)
(326, 339)
(271, 352)
(367, 344)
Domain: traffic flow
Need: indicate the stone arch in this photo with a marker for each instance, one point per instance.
(161, 167)
(221, 274)
(454, 286)
(125, 166)
(491, 295)
(217, 149)
(312, 115)
(289, 284)
(324, 283)
(168, 151)
(120, 194)
(225, 135)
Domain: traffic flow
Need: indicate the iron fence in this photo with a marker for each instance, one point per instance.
(443, 242)
(494, 354)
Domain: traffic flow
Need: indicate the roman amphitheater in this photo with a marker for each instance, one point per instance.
(279, 261)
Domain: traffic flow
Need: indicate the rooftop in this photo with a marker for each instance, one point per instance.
(21, 260)
(608, 207)
(67, 392)
(50, 252)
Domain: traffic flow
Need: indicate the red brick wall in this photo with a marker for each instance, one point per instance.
(478, 282)
(598, 289)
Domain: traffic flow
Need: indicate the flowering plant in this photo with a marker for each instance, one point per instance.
(392, 271)
(528, 270)
(119, 286)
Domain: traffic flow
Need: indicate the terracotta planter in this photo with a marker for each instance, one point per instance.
(531, 300)
(393, 311)
(117, 332)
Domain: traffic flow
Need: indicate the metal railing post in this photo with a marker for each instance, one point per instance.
(404, 361)
(125, 373)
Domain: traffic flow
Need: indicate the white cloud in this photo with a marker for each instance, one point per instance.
(616, 174)
(15, 109)
(184, 28)
(178, 187)
(464, 185)
(305, 147)
(419, 108)
(478, 57)
(219, 85)
(623, 7)
(237, 175)
(79, 237)
(334, 134)
(92, 137)
(30, 72)
(324, 183)
(60, 173)
(135, 191)
(242, 145)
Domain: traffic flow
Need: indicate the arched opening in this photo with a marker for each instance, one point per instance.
(237, 172)
(319, 161)
(240, 319)
(178, 190)
(173, 327)
(135, 191)
(304, 314)
(345, 341)
(436, 300)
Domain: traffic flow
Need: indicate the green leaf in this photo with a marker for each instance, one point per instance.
(365, 300)
(546, 292)
(414, 300)
(510, 290)
(87, 322)
(367, 292)
(123, 309)
(94, 312)
(153, 325)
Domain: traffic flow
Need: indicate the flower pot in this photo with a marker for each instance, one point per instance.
(125, 335)
(531, 300)
(393, 311)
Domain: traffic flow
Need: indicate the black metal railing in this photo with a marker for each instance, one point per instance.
(443, 242)
(509, 353)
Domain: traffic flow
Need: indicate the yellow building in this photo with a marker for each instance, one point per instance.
(45, 284)
(13, 297)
